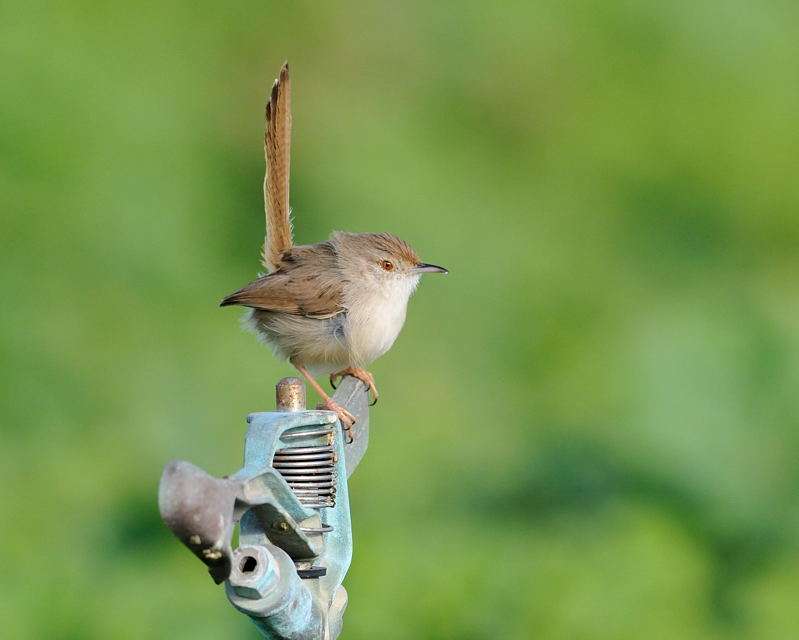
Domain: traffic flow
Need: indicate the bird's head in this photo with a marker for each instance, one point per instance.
(381, 258)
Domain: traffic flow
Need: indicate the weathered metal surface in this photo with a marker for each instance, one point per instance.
(200, 511)
(290, 395)
(275, 597)
(293, 516)
(254, 572)
(353, 395)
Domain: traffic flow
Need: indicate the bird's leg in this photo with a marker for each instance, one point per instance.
(362, 374)
(347, 419)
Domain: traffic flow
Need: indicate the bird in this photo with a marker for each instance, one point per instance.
(332, 307)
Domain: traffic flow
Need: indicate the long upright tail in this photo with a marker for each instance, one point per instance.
(277, 149)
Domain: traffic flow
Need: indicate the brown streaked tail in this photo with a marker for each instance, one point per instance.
(277, 149)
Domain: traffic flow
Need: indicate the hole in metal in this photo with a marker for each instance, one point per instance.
(248, 564)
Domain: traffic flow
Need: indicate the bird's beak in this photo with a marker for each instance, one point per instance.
(423, 267)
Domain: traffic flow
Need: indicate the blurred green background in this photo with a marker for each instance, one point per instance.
(588, 430)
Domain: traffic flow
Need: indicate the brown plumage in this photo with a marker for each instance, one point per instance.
(277, 150)
(307, 283)
(331, 307)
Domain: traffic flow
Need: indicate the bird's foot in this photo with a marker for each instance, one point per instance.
(346, 418)
(362, 374)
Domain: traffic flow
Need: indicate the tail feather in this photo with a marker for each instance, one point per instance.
(277, 149)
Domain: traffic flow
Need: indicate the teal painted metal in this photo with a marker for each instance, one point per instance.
(292, 504)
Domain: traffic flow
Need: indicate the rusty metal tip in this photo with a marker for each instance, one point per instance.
(290, 395)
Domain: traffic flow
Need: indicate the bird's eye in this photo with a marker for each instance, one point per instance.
(387, 265)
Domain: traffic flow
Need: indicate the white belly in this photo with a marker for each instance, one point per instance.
(374, 322)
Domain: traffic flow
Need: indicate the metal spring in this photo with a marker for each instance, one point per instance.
(309, 471)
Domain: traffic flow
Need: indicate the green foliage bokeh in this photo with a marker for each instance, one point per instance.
(588, 430)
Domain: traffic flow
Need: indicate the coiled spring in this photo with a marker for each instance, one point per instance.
(309, 470)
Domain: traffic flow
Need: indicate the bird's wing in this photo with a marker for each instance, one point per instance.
(308, 283)
(277, 149)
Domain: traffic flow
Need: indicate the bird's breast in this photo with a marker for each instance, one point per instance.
(373, 324)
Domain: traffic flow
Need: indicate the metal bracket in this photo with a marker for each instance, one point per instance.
(291, 502)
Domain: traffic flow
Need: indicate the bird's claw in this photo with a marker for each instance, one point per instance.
(363, 375)
(346, 418)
